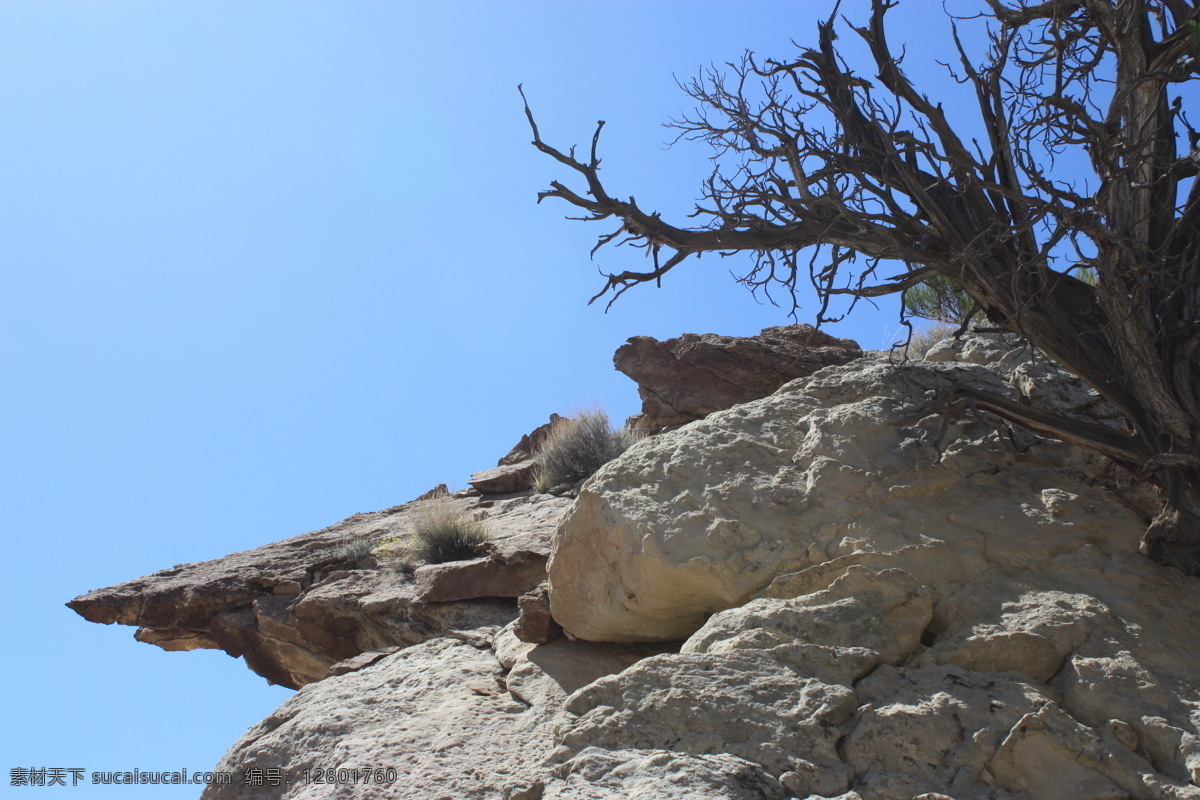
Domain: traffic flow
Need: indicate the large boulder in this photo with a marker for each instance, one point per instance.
(960, 607)
(857, 459)
(687, 378)
(293, 608)
(869, 593)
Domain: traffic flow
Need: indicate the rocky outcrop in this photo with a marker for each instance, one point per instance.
(687, 378)
(534, 622)
(479, 577)
(937, 606)
(530, 443)
(856, 459)
(514, 472)
(442, 719)
(504, 479)
(430, 721)
(294, 608)
(847, 589)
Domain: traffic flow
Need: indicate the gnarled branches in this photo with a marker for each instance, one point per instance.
(827, 174)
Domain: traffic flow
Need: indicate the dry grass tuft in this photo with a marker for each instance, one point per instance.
(575, 448)
(445, 533)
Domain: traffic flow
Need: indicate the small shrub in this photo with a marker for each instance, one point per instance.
(354, 550)
(575, 448)
(445, 533)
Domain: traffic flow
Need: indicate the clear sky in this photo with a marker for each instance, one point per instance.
(268, 263)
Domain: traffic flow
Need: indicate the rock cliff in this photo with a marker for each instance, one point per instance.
(688, 378)
(294, 608)
(842, 587)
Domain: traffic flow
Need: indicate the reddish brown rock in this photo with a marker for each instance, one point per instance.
(504, 479)
(360, 661)
(294, 608)
(683, 379)
(530, 443)
(513, 472)
(479, 577)
(441, 490)
(534, 624)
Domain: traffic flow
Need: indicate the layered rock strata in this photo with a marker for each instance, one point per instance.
(293, 608)
(873, 594)
(514, 471)
(689, 377)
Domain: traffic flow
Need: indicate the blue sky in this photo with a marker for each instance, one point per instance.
(268, 264)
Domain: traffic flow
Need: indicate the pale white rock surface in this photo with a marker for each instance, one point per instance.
(437, 713)
(457, 721)
(753, 704)
(962, 611)
(848, 589)
(597, 774)
(852, 460)
(881, 612)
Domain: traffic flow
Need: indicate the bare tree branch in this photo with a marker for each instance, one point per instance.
(824, 172)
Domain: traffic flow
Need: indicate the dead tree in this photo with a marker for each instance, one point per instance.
(830, 176)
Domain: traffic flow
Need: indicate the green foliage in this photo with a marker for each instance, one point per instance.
(942, 300)
(939, 299)
(446, 533)
(575, 448)
(923, 340)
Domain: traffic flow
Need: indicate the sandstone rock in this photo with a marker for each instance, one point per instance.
(983, 605)
(294, 608)
(943, 729)
(437, 714)
(933, 729)
(984, 349)
(359, 661)
(884, 613)
(515, 477)
(749, 704)
(853, 460)
(530, 443)
(690, 377)
(1037, 380)
(545, 674)
(1003, 624)
(652, 775)
(478, 577)
(514, 472)
(441, 490)
(876, 603)
(535, 623)
(1047, 754)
